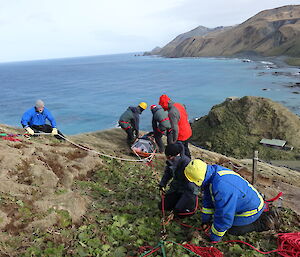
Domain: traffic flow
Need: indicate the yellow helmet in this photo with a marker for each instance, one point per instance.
(143, 105)
(195, 171)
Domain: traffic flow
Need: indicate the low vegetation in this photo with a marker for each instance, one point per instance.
(235, 128)
(122, 216)
(293, 61)
(58, 200)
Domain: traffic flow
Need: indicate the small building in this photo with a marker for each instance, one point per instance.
(276, 143)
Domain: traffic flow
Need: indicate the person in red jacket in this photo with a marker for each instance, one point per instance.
(181, 128)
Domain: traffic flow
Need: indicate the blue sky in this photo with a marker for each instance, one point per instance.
(43, 29)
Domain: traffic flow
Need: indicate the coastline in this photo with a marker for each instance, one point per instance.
(279, 61)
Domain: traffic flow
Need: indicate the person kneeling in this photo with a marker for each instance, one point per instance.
(34, 121)
(182, 196)
(230, 203)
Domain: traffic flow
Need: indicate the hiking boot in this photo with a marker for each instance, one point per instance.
(271, 220)
(274, 214)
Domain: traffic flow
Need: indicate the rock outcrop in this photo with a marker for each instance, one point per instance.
(235, 128)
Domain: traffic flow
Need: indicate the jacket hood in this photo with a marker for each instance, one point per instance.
(135, 109)
(164, 101)
(210, 173)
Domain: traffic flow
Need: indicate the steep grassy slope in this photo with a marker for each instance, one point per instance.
(101, 207)
(235, 128)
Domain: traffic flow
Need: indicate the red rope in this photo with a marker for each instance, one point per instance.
(267, 202)
(289, 244)
(11, 138)
(163, 204)
(147, 248)
(245, 243)
(204, 251)
(275, 198)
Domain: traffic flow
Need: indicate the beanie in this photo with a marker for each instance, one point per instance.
(173, 149)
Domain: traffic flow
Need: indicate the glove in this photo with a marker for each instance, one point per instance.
(54, 131)
(30, 131)
(162, 189)
(205, 226)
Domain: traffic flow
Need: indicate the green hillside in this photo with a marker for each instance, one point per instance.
(116, 201)
(235, 128)
(122, 216)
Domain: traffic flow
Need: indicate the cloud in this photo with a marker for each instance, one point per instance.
(220, 13)
(34, 29)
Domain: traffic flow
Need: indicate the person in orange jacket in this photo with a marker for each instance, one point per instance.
(181, 128)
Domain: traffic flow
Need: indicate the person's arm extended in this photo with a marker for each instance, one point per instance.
(208, 207)
(225, 206)
(136, 122)
(168, 174)
(154, 124)
(50, 118)
(26, 118)
(174, 118)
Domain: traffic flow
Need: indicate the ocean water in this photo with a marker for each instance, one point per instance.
(90, 93)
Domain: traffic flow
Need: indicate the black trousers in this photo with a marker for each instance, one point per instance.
(131, 136)
(47, 129)
(159, 142)
(183, 204)
(158, 139)
(259, 225)
(186, 148)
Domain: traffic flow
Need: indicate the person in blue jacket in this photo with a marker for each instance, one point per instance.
(230, 203)
(34, 120)
(182, 195)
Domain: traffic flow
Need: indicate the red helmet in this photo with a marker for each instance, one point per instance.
(152, 106)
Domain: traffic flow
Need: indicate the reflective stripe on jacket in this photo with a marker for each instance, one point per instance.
(229, 199)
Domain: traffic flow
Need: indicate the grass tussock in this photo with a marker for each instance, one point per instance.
(122, 216)
(293, 61)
